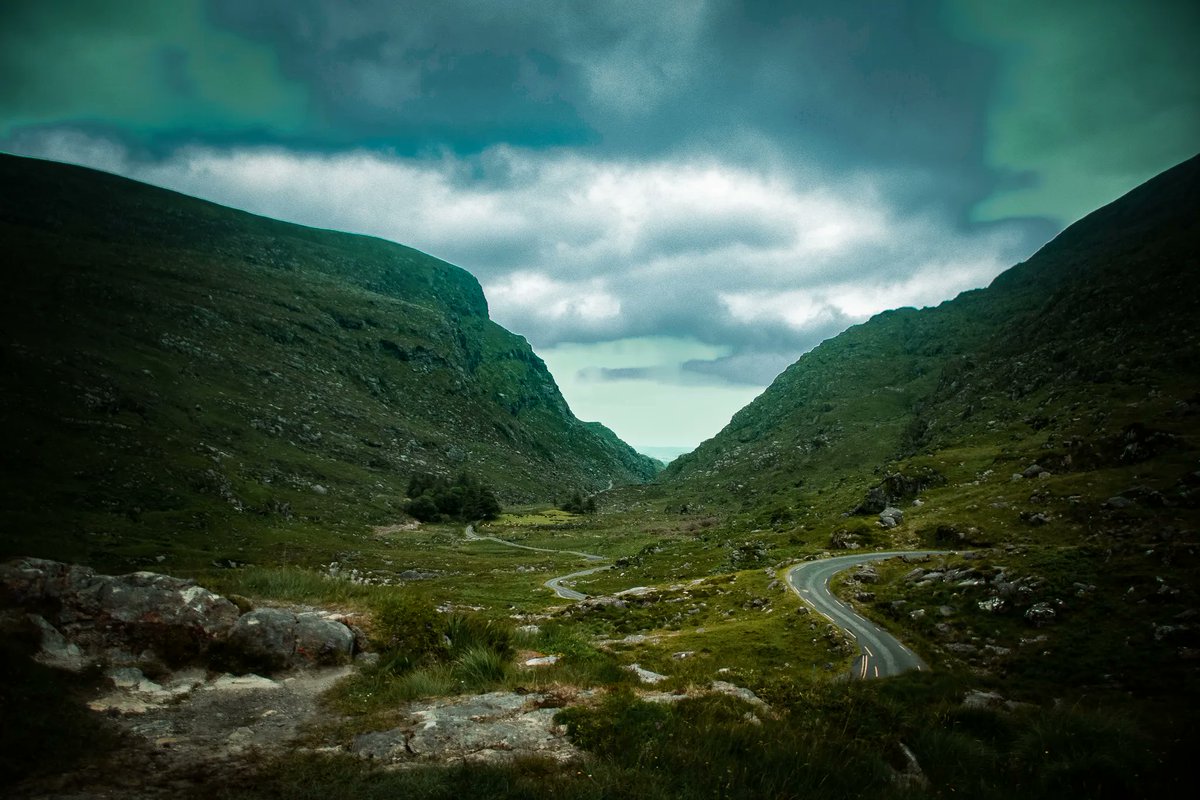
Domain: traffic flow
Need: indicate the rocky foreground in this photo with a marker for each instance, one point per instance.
(198, 685)
(197, 682)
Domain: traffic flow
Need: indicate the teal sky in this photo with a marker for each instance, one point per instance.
(671, 206)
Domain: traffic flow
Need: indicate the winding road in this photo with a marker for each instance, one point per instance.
(554, 584)
(881, 655)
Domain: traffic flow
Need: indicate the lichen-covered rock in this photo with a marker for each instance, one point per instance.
(264, 639)
(144, 617)
(119, 617)
(321, 640)
(489, 728)
(272, 639)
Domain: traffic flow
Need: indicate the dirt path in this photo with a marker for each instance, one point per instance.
(189, 729)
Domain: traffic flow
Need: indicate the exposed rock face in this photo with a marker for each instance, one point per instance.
(896, 488)
(143, 617)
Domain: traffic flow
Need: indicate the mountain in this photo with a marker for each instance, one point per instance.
(1086, 349)
(177, 371)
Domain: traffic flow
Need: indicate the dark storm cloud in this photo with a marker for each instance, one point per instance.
(852, 85)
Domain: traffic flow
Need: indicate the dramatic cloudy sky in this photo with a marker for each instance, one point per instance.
(671, 200)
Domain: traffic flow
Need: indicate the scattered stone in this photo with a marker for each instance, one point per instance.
(733, 690)
(1118, 502)
(415, 575)
(529, 630)
(1169, 631)
(913, 777)
(890, 517)
(977, 698)
(645, 675)
(844, 539)
(992, 604)
(917, 613)
(541, 661)
(1032, 471)
(682, 654)
(1040, 614)
(866, 574)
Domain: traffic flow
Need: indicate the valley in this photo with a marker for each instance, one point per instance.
(988, 508)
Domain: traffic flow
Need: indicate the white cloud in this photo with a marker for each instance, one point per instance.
(803, 309)
(535, 294)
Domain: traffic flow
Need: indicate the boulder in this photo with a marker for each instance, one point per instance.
(321, 640)
(897, 488)
(890, 517)
(272, 639)
(645, 675)
(263, 639)
(125, 620)
(1040, 613)
(866, 574)
(114, 617)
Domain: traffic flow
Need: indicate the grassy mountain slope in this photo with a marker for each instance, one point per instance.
(1055, 350)
(180, 372)
(1047, 428)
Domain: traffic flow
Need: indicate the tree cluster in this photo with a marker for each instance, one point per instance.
(577, 504)
(435, 499)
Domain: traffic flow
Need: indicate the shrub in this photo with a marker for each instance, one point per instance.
(481, 668)
(466, 632)
(407, 629)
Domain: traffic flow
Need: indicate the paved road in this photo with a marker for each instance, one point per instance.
(881, 655)
(571, 594)
(554, 584)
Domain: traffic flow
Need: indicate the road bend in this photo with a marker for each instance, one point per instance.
(554, 584)
(881, 655)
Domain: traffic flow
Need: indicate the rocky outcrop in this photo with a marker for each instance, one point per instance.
(493, 727)
(897, 488)
(149, 619)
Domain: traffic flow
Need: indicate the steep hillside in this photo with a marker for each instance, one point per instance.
(177, 371)
(1047, 430)
(1096, 332)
